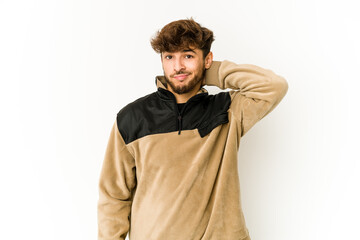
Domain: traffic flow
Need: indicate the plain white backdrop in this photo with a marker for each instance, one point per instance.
(68, 66)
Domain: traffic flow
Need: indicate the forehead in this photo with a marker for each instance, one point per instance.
(186, 50)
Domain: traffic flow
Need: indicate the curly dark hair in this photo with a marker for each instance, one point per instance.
(183, 34)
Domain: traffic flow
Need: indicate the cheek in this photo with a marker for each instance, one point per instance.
(167, 72)
(166, 68)
(199, 68)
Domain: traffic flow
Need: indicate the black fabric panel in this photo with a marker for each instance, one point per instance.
(158, 113)
(208, 126)
(180, 106)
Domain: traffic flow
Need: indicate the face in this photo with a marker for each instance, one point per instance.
(184, 71)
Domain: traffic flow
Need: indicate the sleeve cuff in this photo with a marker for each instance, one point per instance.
(212, 75)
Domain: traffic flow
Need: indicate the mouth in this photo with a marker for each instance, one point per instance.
(181, 76)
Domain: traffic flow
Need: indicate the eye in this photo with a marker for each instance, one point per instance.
(168, 57)
(189, 56)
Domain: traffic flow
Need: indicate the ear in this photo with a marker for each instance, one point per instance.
(208, 60)
(162, 62)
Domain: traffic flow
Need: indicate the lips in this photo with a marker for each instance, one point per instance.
(181, 76)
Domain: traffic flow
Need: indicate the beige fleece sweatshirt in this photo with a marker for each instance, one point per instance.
(168, 186)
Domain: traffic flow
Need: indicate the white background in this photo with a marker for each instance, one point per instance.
(67, 67)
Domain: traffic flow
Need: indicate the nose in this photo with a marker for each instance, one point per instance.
(178, 65)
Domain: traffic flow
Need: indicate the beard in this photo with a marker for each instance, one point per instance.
(190, 85)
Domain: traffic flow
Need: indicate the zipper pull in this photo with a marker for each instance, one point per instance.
(179, 118)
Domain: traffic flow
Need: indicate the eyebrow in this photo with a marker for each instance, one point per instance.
(189, 50)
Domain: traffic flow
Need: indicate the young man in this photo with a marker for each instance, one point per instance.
(170, 170)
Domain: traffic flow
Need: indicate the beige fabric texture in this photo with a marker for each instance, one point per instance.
(183, 187)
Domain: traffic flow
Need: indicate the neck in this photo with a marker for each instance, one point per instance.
(183, 98)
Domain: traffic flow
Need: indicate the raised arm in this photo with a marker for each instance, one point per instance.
(255, 91)
(117, 181)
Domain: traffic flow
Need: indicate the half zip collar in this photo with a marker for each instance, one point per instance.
(169, 96)
(166, 95)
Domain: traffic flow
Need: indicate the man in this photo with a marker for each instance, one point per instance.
(170, 170)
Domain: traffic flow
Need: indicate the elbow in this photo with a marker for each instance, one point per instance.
(281, 86)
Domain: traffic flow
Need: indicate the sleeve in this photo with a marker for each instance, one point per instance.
(255, 91)
(116, 185)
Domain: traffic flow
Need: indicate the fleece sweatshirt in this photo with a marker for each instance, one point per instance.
(173, 175)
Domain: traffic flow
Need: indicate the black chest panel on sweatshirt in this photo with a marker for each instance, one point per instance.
(158, 113)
